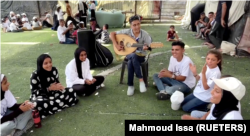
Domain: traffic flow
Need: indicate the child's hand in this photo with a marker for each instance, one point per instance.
(193, 69)
(204, 69)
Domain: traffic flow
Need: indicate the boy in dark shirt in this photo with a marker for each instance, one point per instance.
(172, 35)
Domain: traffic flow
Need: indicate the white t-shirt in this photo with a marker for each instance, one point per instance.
(92, 6)
(8, 101)
(6, 26)
(49, 19)
(25, 19)
(182, 69)
(36, 24)
(60, 36)
(72, 74)
(59, 14)
(199, 91)
(27, 25)
(13, 26)
(233, 115)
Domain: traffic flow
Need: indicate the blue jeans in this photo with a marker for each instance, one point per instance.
(191, 103)
(134, 66)
(198, 114)
(69, 41)
(171, 85)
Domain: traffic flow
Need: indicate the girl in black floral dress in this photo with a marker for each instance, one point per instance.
(46, 90)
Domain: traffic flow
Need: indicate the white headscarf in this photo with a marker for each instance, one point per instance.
(11, 12)
(81, 7)
(2, 76)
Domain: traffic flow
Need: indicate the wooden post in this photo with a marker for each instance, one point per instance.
(38, 6)
(160, 10)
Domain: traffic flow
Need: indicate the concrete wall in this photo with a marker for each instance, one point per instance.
(169, 7)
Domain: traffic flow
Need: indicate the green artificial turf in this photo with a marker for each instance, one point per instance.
(104, 114)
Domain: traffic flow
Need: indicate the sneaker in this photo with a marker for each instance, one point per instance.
(130, 91)
(163, 96)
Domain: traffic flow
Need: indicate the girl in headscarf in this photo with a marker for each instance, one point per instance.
(46, 89)
(78, 74)
(225, 99)
(83, 8)
(15, 117)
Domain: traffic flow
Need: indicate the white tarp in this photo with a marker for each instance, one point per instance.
(211, 6)
(236, 11)
(185, 22)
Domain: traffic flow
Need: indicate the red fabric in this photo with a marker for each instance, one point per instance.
(75, 34)
(171, 34)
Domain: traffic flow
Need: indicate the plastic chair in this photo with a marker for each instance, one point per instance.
(144, 69)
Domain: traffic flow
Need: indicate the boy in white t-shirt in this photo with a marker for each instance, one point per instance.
(63, 32)
(13, 26)
(178, 76)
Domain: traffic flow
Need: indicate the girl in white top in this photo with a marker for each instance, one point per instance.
(13, 115)
(24, 17)
(59, 12)
(226, 95)
(200, 98)
(78, 74)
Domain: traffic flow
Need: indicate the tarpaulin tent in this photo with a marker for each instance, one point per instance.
(195, 14)
(185, 22)
(243, 48)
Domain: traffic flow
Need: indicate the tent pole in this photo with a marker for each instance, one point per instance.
(135, 6)
(39, 12)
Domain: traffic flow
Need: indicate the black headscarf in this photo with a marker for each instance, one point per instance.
(2, 92)
(44, 74)
(78, 61)
(227, 103)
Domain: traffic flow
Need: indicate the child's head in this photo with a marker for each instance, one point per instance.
(4, 83)
(35, 19)
(13, 20)
(211, 14)
(214, 59)
(70, 23)
(178, 49)
(105, 27)
(81, 25)
(80, 54)
(61, 22)
(202, 15)
(172, 27)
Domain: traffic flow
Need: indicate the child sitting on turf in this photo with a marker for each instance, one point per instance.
(36, 25)
(105, 35)
(26, 25)
(63, 33)
(15, 118)
(81, 27)
(172, 35)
